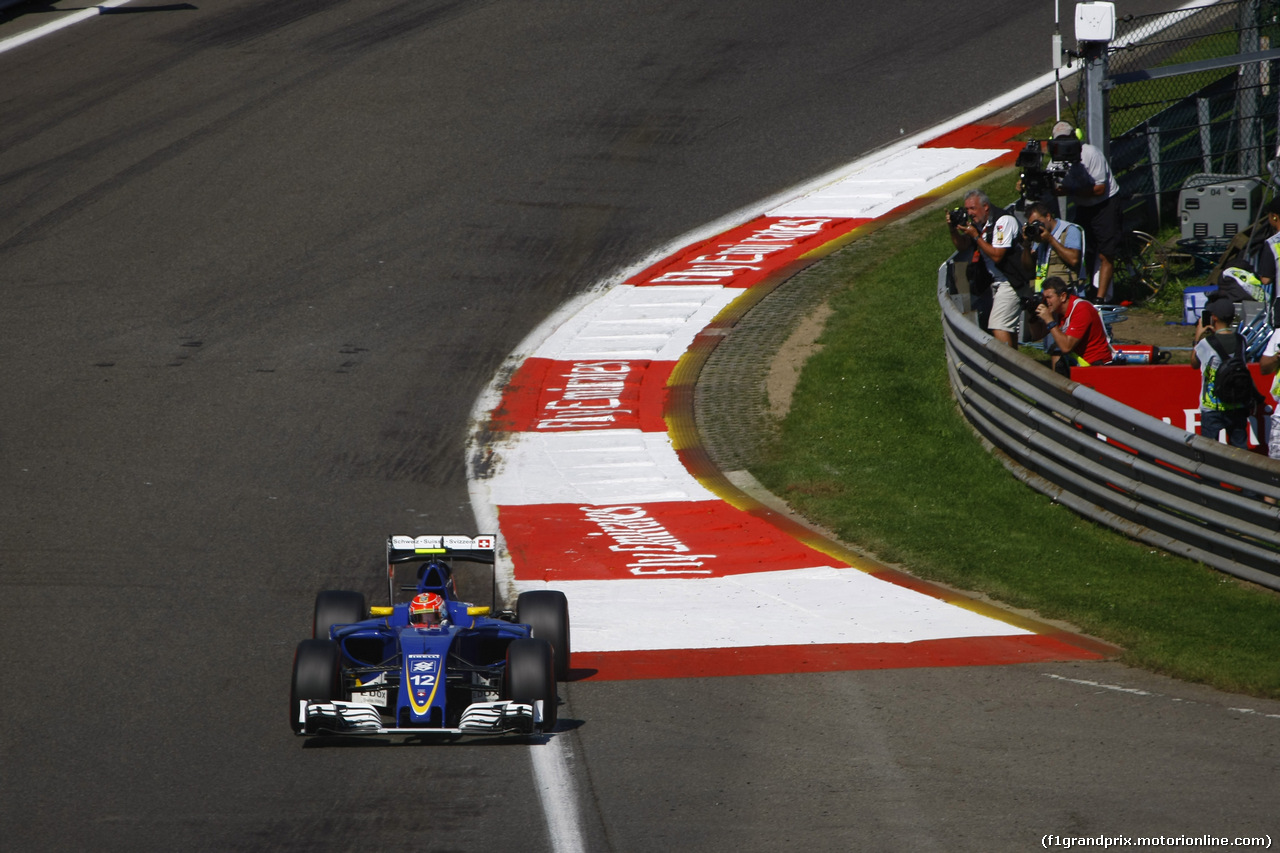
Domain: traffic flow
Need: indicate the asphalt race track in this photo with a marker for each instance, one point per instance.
(259, 259)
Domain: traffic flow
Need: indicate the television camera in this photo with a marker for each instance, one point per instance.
(1040, 181)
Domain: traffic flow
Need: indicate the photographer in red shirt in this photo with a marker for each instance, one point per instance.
(1075, 325)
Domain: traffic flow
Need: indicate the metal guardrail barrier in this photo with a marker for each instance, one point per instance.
(1110, 463)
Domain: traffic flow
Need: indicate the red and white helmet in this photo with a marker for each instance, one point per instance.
(427, 608)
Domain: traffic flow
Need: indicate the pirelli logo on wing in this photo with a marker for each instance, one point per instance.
(653, 548)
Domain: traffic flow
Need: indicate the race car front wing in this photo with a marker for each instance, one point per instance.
(362, 718)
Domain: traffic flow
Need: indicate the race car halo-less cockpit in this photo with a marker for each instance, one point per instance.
(448, 667)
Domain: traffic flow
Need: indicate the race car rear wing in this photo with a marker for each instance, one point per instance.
(406, 549)
(419, 549)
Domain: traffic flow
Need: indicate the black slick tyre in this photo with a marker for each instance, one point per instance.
(530, 676)
(337, 607)
(546, 611)
(315, 676)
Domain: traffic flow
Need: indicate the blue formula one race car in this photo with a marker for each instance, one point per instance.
(432, 664)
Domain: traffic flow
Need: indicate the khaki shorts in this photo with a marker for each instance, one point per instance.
(1006, 309)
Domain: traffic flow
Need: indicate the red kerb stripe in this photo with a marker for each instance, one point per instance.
(772, 660)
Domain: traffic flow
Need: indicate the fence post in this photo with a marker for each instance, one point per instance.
(1097, 96)
(1247, 91)
(1153, 151)
(1206, 134)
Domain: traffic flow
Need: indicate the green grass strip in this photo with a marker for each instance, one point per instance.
(875, 449)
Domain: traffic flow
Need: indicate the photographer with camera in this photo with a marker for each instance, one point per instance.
(993, 239)
(1051, 246)
(1091, 187)
(1075, 325)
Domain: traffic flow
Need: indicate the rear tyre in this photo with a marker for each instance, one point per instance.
(546, 611)
(337, 607)
(315, 676)
(531, 676)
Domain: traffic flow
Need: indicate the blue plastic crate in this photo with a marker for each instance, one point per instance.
(1193, 301)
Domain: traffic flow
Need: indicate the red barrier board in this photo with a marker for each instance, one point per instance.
(1170, 392)
(1161, 390)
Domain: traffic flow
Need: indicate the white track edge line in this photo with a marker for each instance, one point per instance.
(558, 795)
(62, 23)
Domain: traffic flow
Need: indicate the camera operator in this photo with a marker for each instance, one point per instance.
(1093, 190)
(1051, 246)
(994, 236)
(1076, 327)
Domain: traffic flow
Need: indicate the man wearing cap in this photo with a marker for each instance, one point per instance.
(1216, 415)
(1092, 189)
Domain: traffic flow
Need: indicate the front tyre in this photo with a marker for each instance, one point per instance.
(546, 611)
(316, 677)
(530, 676)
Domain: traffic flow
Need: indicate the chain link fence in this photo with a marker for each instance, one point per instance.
(1168, 130)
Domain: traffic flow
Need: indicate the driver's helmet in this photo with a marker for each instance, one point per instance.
(427, 608)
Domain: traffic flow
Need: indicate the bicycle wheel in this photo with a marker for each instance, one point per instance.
(1139, 269)
(1181, 265)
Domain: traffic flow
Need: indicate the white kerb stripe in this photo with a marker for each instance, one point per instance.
(616, 466)
(782, 608)
(637, 323)
(61, 23)
(880, 187)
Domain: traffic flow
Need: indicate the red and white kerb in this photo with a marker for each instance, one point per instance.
(664, 578)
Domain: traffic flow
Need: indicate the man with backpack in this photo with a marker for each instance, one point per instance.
(1227, 392)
